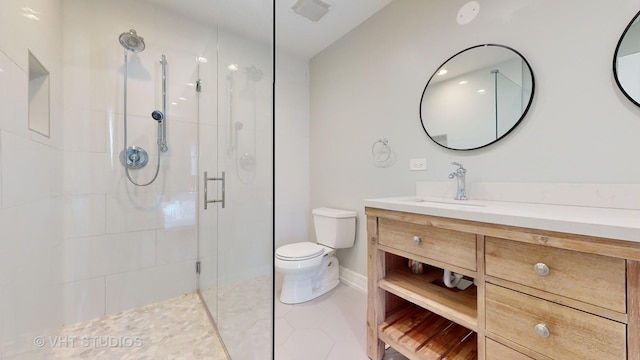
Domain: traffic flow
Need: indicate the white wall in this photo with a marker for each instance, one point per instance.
(292, 212)
(580, 128)
(30, 180)
(128, 246)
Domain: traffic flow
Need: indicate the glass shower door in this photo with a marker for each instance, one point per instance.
(236, 241)
(245, 234)
(208, 167)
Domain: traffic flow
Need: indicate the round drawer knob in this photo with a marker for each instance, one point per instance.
(416, 240)
(541, 269)
(542, 330)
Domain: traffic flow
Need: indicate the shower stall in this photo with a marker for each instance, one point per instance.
(80, 238)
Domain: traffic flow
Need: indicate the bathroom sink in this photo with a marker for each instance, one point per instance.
(428, 201)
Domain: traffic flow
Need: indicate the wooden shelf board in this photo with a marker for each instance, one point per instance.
(466, 350)
(459, 307)
(420, 334)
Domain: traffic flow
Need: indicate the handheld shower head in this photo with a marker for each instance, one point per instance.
(157, 115)
(131, 41)
(254, 73)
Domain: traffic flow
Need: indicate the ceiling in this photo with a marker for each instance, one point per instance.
(306, 38)
(294, 33)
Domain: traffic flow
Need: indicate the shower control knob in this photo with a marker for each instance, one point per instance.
(134, 157)
(416, 240)
(541, 269)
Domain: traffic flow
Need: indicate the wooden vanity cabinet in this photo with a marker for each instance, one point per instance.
(539, 294)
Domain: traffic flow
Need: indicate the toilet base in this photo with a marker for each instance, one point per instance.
(298, 288)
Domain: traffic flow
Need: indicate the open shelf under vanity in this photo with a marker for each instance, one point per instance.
(424, 319)
(424, 290)
(414, 331)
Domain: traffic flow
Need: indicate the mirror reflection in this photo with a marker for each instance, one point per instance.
(476, 97)
(626, 61)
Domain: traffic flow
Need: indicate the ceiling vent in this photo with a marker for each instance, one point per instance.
(313, 10)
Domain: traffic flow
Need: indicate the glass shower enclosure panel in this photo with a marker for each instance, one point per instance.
(208, 168)
(236, 144)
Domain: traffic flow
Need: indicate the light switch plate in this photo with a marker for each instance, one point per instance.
(418, 164)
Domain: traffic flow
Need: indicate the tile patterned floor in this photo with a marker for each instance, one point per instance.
(175, 329)
(244, 317)
(330, 327)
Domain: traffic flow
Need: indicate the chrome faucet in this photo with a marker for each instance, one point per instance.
(460, 174)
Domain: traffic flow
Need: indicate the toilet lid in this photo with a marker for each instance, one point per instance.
(299, 251)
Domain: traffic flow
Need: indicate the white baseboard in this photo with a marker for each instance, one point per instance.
(353, 279)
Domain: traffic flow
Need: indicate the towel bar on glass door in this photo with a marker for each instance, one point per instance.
(206, 180)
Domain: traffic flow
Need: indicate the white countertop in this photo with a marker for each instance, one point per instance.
(620, 224)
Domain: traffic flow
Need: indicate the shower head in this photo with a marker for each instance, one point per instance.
(131, 41)
(254, 73)
(157, 115)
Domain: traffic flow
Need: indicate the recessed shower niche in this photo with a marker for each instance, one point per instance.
(38, 97)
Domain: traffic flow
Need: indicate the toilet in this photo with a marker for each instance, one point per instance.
(311, 269)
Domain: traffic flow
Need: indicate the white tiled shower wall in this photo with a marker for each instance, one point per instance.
(31, 178)
(127, 246)
(77, 241)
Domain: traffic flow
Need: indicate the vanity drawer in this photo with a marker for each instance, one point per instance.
(590, 278)
(570, 333)
(448, 246)
(497, 351)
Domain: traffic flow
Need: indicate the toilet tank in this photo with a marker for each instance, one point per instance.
(335, 228)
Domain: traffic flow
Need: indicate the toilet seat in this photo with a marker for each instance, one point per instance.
(299, 251)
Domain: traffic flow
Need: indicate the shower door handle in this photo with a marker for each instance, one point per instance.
(206, 181)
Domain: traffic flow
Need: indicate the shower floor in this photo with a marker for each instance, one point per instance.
(244, 317)
(178, 328)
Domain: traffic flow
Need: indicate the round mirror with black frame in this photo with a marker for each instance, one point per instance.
(477, 97)
(626, 61)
